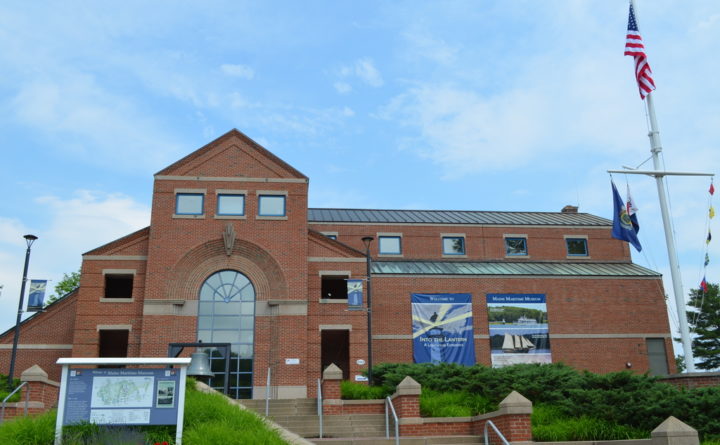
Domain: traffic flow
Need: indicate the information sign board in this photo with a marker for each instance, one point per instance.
(122, 396)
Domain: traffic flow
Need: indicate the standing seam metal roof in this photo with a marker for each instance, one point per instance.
(454, 217)
(509, 268)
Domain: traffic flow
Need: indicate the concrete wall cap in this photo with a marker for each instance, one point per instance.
(673, 427)
(34, 374)
(515, 403)
(408, 387)
(332, 372)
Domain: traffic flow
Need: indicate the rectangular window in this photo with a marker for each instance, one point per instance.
(576, 246)
(334, 287)
(271, 205)
(390, 245)
(657, 356)
(113, 343)
(453, 245)
(516, 246)
(118, 285)
(231, 205)
(189, 203)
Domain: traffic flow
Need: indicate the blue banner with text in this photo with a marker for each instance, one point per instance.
(443, 328)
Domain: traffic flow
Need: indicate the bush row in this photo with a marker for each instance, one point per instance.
(636, 401)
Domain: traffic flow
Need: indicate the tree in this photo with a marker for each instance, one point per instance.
(704, 322)
(69, 283)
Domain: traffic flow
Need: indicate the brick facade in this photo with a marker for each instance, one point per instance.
(598, 322)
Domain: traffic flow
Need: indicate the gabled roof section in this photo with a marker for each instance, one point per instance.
(510, 268)
(232, 154)
(68, 297)
(454, 217)
(132, 244)
(322, 246)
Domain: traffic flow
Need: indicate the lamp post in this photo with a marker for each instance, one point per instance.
(29, 239)
(367, 240)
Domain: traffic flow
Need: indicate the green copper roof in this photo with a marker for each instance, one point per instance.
(366, 216)
(510, 268)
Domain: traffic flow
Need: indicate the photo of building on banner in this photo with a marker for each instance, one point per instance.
(36, 295)
(443, 329)
(518, 329)
(355, 294)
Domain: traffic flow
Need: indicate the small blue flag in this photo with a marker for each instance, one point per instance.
(36, 296)
(622, 224)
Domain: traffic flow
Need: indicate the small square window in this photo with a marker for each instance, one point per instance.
(118, 285)
(334, 287)
(453, 245)
(332, 236)
(189, 204)
(231, 205)
(576, 246)
(271, 205)
(515, 246)
(390, 245)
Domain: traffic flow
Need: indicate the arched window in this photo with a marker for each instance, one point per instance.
(226, 314)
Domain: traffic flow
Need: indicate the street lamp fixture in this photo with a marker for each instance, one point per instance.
(29, 240)
(367, 240)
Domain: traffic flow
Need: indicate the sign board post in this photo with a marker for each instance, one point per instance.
(122, 396)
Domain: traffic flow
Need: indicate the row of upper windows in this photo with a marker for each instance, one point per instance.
(518, 246)
(455, 245)
(229, 204)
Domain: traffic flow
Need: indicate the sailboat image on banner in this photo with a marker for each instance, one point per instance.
(516, 343)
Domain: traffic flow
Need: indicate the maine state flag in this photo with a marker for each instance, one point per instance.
(622, 224)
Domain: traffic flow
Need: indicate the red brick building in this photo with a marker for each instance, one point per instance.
(234, 254)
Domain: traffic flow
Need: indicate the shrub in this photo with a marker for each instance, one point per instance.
(549, 424)
(453, 404)
(639, 402)
(357, 391)
(38, 430)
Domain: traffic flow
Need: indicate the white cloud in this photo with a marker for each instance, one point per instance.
(73, 225)
(366, 71)
(363, 70)
(342, 87)
(435, 49)
(237, 70)
(84, 118)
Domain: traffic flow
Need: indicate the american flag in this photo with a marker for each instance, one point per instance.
(634, 47)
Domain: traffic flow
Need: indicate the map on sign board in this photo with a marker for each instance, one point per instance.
(122, 392)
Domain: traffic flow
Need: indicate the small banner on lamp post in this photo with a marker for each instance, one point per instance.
(36, 295)
(355, 294)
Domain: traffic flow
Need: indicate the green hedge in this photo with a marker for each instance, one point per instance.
(636, 401)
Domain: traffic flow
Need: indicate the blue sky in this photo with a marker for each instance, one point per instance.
(494, 105)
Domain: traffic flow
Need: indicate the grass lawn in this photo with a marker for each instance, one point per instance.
(209, 420)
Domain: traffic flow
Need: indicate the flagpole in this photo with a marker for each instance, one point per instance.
(656, 149)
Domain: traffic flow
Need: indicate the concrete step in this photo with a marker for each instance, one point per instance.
(381, 440)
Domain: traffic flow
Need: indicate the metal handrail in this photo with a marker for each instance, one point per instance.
(388, 402)
(497, 431)
(319, 408)
(267, 393)
(27, 401)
